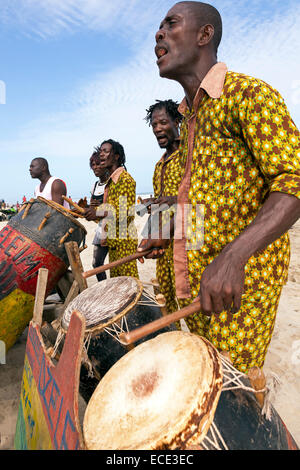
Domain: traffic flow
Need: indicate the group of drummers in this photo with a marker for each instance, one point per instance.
(231, 151)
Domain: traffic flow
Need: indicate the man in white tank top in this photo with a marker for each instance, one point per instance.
(50, 187)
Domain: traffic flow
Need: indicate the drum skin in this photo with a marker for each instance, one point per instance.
(23, 251)
(104, 350)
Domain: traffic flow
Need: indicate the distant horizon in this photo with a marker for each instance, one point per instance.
(76, 73)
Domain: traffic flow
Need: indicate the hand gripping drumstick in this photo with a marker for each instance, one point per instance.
(135, 335)
(116, 263)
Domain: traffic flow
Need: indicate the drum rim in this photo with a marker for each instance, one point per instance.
(62, 210)
(207, 414)
(95, 330)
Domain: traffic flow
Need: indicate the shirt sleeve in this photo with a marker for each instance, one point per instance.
(273, 138)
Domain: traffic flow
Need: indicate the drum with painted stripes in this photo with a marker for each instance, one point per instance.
(32, 239)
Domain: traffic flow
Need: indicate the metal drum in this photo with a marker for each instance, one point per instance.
(32, 239)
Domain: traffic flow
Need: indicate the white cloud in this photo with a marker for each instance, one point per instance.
(48, 18)
(112, 105)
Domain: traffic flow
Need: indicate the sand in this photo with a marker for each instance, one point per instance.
(283, 357)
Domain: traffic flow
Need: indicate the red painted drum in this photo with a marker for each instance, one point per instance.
(31, 240)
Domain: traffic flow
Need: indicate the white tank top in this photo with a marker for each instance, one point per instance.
(47, 191)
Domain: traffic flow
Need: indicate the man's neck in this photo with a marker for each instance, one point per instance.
(171, 149)
(44, 178)
(191, 82)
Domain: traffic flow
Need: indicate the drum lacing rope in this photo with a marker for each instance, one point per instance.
(59, 339)
(85, 358)
(150, 299)
(232, 375)
(115, 330)
(214, 439)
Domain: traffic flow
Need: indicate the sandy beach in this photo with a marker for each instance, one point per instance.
(283, 358)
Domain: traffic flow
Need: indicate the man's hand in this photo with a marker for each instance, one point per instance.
(90, 213)
(94, 202)
(158, 248)
(168, 200)
(222, 284)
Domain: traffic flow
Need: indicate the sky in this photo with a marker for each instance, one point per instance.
(74, 73)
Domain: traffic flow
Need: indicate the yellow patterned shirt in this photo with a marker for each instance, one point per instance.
(239, 143)
(167, 175)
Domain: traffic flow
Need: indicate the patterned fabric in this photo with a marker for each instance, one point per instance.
(166, 179)
(120, 229)
(245, 146)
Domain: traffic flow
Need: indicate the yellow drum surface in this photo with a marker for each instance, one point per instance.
(16, 311)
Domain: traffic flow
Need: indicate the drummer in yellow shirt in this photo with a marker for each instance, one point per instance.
(119, 232)
(164, 118)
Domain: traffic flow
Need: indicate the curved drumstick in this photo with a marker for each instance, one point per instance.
(80, 209)
(135, 335)
(116, 263)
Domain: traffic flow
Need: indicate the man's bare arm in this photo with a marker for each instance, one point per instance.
(222, 282)
(57, 191)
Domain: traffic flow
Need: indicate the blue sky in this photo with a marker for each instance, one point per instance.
(76, 72)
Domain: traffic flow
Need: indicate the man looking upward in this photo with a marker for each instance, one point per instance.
(242, 166)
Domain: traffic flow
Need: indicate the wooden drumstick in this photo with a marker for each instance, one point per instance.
(80, 209)
(135, 335)
(116, 263)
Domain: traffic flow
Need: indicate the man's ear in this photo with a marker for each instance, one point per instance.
(206, 34)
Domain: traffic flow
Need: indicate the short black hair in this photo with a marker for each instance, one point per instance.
(117, 149)
(207, 14)
(95, 157)
(170, 106)
(42, 161)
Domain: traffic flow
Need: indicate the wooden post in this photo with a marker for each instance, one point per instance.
(73, 292)
(258, 382)
(76, 264)
(40, 296)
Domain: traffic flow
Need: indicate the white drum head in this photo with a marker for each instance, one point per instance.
(105, 302)
(161, 395)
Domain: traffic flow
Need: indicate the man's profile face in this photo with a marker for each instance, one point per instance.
(164, 128)
(36, 169)
(176, 42)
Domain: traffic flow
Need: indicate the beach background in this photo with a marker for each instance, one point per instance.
(283, 357)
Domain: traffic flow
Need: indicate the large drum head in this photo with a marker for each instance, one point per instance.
(105, 302)
(161, 395)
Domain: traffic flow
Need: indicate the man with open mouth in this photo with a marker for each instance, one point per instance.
(241, 149)
(164, 118)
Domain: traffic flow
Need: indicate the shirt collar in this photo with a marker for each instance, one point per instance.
(170, 157)
(116, 174)
(212, 83)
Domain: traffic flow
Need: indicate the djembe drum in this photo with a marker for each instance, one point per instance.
(177, 392)
(110, 307)
(31, 240)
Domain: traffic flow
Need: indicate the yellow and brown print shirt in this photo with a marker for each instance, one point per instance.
(119, 200)
(167, 176)
(239, 143)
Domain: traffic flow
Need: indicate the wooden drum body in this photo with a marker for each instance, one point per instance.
(123, 303)
(32, 239)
